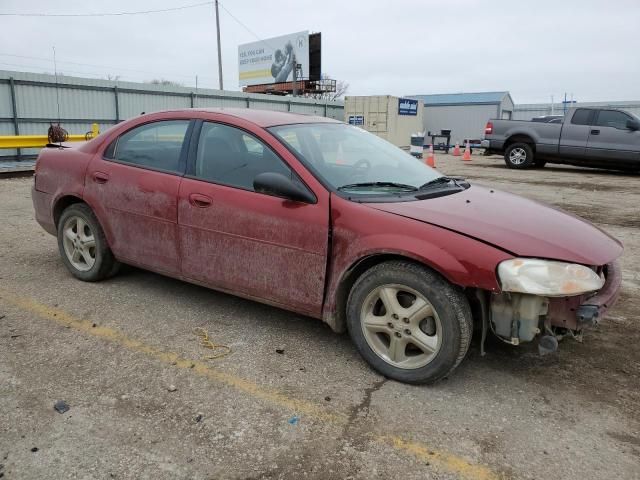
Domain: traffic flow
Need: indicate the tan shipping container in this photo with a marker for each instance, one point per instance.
(383, 116)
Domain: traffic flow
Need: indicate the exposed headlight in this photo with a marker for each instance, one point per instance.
(548, 278)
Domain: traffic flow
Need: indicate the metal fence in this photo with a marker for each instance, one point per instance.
(29, 102)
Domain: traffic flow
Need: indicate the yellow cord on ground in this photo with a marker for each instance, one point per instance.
(219, 349)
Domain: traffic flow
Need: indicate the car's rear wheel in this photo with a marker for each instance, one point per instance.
(83, 245)
(519, 155)
(408, 322)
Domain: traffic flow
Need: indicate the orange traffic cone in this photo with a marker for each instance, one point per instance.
(467, 153)
(456, 150)
(431, 158)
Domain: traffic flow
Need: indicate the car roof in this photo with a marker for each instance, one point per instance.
(264, 118)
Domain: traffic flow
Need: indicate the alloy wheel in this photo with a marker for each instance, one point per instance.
(79, 243)
(401, 326)
(517, 156)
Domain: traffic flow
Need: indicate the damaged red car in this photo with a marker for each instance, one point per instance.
(324, 219)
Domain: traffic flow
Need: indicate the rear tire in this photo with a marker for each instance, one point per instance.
(408, 322)
(83, 245)
(519, 156)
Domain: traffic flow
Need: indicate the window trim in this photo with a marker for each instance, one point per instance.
(193, 152)
(597, 117)
(184, 150)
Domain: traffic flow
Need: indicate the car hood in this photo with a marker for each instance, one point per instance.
(515, 224)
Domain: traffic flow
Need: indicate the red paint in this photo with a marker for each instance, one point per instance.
(291, 254)
(516, 224)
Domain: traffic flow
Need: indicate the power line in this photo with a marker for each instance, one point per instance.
(93, 65)
(105, 14)
(243, 25)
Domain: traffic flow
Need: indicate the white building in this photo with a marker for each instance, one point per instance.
(465, 114)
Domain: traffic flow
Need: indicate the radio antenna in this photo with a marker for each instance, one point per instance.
(55, 73)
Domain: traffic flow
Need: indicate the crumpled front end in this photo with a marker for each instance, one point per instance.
(520, 317)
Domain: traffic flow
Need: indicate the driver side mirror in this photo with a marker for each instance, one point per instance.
(278, 185)
(633, 125)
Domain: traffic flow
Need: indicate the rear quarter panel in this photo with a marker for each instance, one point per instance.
(59, 172)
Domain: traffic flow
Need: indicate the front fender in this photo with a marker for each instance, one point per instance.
(360, 232)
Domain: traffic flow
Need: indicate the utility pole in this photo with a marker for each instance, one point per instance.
(219, 49)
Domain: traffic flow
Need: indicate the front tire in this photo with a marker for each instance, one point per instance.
(408, 322)
(83, 245)
(519, 156)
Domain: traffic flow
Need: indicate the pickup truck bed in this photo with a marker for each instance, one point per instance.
(590, 137)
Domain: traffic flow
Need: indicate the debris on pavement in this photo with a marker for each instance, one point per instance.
(280, 350)
(61, 406)
(293, 420)
(172, 388)
(219, 350)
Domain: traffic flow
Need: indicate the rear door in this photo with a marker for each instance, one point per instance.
(611, 141)
(575, 133)
(133, 187)
(249, 243)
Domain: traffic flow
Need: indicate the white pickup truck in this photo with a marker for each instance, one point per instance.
(590, 137)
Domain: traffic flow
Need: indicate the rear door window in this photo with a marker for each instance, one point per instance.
(582, 116)
(612, 118)
(156, 145)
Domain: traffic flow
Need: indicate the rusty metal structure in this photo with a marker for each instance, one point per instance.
(302, 87)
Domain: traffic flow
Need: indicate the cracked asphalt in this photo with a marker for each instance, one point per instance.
(113, 351)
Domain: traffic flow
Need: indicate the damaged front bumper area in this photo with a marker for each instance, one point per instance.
(520, 317)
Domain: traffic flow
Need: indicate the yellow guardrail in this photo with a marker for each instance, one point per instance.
(38, 141)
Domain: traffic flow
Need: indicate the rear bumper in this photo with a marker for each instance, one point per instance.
(485, 144)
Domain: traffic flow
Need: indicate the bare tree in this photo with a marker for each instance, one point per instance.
(341, 89)
(162, 81)
(113, 78)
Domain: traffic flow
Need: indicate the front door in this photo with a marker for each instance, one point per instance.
(133, 188)
(611, 142)
(245, 242)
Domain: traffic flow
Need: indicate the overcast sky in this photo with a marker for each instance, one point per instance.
(534, 49)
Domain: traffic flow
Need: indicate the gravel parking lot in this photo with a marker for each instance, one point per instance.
(293, 399)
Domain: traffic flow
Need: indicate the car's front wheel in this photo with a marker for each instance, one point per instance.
(83, 245)
(408, 322)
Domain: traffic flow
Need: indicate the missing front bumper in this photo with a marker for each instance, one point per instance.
(517, 317)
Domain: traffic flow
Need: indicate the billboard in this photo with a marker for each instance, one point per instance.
(273, 60)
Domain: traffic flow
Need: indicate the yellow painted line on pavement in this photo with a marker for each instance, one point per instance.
(439, 459)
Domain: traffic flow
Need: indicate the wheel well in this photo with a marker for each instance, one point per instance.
(62, 204)
(350, 277)
(520, 138)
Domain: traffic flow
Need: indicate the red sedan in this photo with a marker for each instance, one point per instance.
(325, 219)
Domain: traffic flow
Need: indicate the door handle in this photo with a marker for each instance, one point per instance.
(100, 177)
(199, 200)
(595, 132)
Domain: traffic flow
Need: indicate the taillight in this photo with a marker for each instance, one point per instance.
(488, 130)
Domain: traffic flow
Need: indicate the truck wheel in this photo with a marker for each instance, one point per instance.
(519, 155)
(408, 322)
(83, 245)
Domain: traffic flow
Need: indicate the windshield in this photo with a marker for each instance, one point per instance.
(352, 160)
